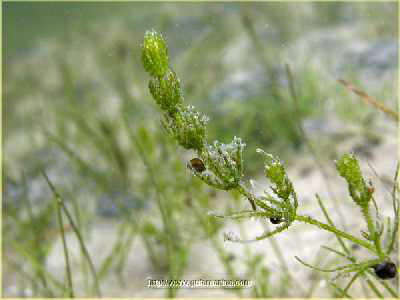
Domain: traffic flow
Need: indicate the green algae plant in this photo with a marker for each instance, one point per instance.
(221, 165)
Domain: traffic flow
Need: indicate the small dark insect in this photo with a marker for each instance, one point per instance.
(275, 220)
(385, 270)
(197, 164)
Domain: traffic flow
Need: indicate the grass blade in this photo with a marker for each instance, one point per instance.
(77, 233)
(65, 248)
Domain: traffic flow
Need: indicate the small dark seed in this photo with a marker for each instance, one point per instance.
(275, 220)
(197, 164)
(385, 270)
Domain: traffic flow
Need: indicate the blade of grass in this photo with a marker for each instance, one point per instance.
(392, 292)
(353, 279)
(109, 259)
(77, 233)
(79, 222)
(65, 249)
(374, 288)
(40, 274)
(365, 288)
(340, 290)
(123, 254)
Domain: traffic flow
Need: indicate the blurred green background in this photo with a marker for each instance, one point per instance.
(26, 23)
(76, 105)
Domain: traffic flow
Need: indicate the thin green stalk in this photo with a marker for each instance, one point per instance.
(309, 220)
(117, 255)
(325, 212)
(125, 249)
(372, 231)
(36, 238)
(392, 292)
(83, 262)
(39, 272)
(338, 253)
(353, 279)
(108, 260)
(340, 290)
(77, 233)
(83, 248)
(65, 248)
(373, 287)
(150, 251)
(365, 288)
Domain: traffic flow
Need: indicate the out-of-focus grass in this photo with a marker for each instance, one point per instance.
(76, 105)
